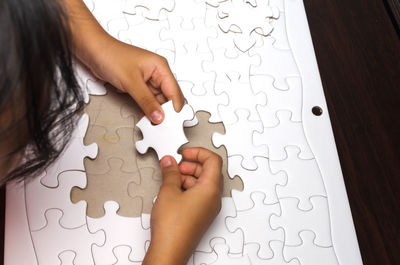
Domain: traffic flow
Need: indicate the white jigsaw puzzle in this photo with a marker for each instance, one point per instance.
(166, 137)
(243, 129)
(251, 65)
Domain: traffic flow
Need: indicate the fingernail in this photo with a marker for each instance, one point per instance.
(166, 161)
(156, 116)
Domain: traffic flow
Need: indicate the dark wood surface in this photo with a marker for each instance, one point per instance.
(358, 52)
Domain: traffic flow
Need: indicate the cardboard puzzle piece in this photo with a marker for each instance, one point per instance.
(177, 35)
(74, 215)
(251, 250)
(168, 136)
(243, 130)
(122, 254)
(123, 149)
(218, 229)
(152, 10)
(72, 156)
(221, 256)
(254, 223)
(234, 17)
(261, 179)
(278, 99)
(286, 133)
(54, 239)
(109, 186)
(130, 232)
(241, 96)
(208, 102)
(147, 188)
(280, 63)
(200, 136)
(224, 64)
(316, 220)
(188, 67)
(310, 253)
(304, 178)
(112, 112)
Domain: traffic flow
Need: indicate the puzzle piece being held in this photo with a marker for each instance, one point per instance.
(166, 137)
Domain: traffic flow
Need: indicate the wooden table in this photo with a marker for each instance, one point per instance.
(358, 52)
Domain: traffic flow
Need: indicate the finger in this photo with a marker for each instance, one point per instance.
(168, 85)
(147, 102)
(188, 181)
(210, 161)
(190, 168)
(170, 172)
(161, 98)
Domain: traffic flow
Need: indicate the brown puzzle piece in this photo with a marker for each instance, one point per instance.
(113, 111)
(201, 136)
(147, 189)
(109, 186)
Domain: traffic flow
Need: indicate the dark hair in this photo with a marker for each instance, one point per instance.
(37, 75)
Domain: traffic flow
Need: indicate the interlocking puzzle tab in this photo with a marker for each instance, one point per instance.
(166, 137)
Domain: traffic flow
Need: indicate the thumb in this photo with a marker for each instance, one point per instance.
(147, 102)
(170, 172)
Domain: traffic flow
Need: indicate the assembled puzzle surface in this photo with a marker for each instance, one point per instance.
(248, 71)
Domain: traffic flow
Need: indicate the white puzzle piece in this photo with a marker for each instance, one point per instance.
(243, 129)
(309, 253)
(179, 36)
(218, 229)
(167, 137)
(150, 9)
(293, 221)
(280, 63)
(224, 64)
(122, 254)
(72, 156)
(277, 99)
(251, 250)
(260, 179)
(40, 198)
(208, 102)
(67, 257)
(130, 232)
(241, 96)
(287, 132)
(254, 223)
(54, 239)
(221, 256)
(304, 178)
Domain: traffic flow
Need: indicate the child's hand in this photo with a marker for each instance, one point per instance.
(146, 76)
(179, 218)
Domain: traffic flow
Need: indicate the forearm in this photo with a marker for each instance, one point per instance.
(89, 39)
